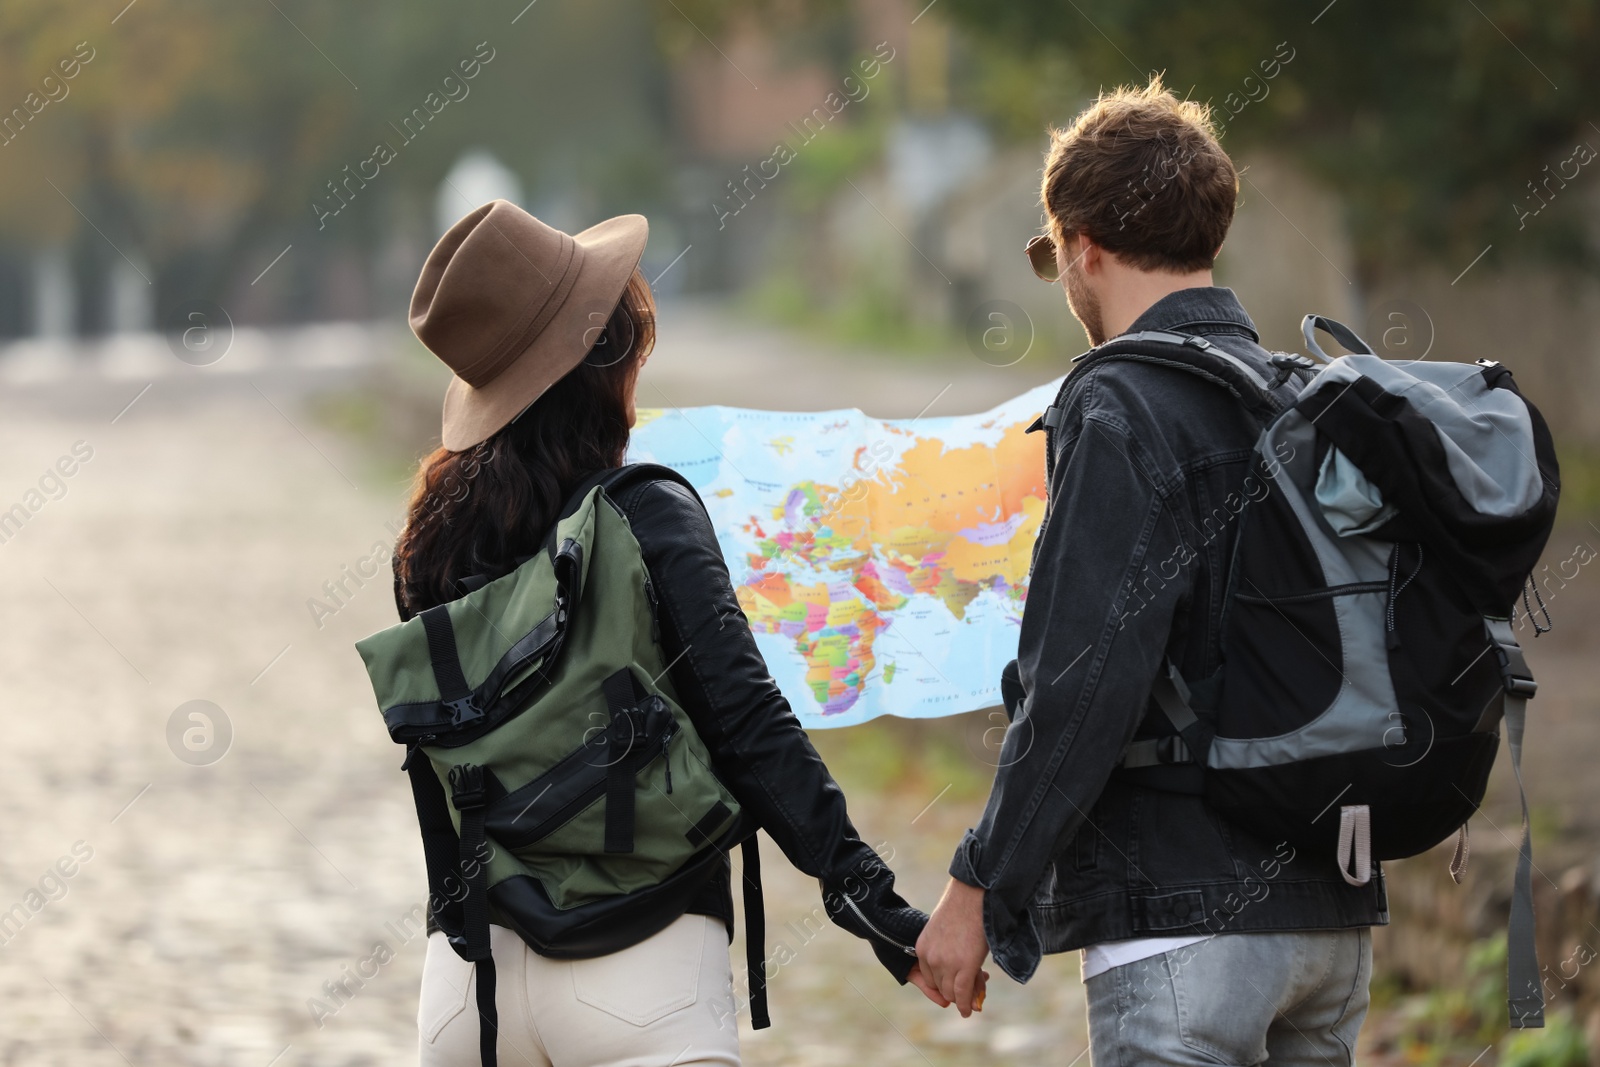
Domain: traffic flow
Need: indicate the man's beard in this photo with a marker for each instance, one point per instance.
(1085, 304)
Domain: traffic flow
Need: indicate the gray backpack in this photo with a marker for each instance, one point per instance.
(1390, 524)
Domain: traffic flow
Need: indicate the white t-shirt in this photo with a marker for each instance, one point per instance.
(1098, 959)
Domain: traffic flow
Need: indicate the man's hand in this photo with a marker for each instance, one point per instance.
(952, 948)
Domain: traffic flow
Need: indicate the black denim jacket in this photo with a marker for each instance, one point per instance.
(1147, 468)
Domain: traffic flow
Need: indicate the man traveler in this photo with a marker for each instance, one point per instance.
(1202, 943)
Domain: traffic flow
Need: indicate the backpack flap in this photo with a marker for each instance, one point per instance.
(505, 635)
(1465, 460)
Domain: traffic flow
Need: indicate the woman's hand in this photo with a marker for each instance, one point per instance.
(931, 991)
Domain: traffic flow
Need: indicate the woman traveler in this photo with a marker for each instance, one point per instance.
(546, 334)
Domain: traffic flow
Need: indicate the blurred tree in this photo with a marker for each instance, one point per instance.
(197, 134)
(1444, 124)
(1437, 121)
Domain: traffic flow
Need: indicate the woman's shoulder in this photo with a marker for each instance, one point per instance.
(656, 500)
(674, 533)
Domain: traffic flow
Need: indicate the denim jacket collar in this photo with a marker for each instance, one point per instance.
(1206, 309)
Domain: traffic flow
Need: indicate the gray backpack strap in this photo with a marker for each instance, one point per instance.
(1171, 694)
(1526, 995)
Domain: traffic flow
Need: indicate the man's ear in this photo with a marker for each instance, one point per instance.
(1090, 256)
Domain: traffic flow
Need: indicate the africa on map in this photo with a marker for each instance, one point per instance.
(883, 564)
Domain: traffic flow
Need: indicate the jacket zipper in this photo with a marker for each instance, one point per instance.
(908, 950)
(655, 607)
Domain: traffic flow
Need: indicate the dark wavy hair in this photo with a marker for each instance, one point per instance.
(479, 510)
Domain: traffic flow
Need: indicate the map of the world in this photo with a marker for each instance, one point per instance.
(882, 564)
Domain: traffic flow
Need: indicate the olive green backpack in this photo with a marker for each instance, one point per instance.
(584, 812)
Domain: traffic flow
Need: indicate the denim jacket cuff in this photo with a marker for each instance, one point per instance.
(964, 865)
(1019, 949)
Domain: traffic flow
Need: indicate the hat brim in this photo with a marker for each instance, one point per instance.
(611, 251)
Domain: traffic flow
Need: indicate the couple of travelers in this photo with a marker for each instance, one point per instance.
(591, 730)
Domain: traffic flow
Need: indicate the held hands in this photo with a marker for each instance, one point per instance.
(951, 951)
(931, 991)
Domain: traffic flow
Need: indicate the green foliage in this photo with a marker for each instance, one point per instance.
(865, 309)
(1580, 484)
(1473, 1012)
(1430, 118)
(1021, 99)
(890, 755)
(822, 166)
(1446, 1025)
(1560, 1044)
(208, 127)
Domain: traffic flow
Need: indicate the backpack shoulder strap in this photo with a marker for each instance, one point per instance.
(1195, 355)
(620, 479)
(614, 481)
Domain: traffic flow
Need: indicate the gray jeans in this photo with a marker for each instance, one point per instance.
(1279, 998)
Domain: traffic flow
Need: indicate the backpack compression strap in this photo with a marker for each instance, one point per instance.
(454, 693)
(1526, 995)
(623, 694)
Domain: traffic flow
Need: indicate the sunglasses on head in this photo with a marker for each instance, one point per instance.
(1041, 253)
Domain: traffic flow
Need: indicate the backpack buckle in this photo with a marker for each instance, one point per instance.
(469, 788)
(1289, 365)
(1514, 672)
(463, 710)
(1526, 688)
(1170, 748)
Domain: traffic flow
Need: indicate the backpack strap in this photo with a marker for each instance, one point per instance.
(614, 481)
(1526, 994)
(454, 693)
(439, 841)
(470, 794)
(623, 694)
(1193, 739)
(1335, 329)
(1197, 355)
(755, 934)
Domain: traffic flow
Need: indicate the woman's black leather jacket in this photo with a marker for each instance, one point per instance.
(755, 740)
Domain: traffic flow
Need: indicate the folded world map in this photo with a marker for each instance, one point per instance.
(882, 563)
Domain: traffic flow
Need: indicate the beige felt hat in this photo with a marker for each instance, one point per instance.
(511, 305)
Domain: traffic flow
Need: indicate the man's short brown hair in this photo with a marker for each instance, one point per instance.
(1140, 173)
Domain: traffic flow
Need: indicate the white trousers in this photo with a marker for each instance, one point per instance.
(665, 1002)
